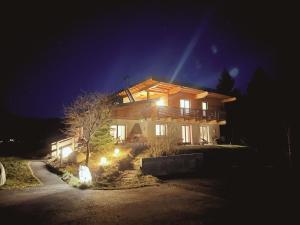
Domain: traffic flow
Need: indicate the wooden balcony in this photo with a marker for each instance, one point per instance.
(148, 109)
(190, 114)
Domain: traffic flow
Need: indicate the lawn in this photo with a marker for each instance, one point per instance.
(18, 173)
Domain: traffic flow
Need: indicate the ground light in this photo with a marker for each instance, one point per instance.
(85, 176)
(116, 152)
(103, 161)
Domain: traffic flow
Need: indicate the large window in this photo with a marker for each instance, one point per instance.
(118, 132)
(186, 133)
(185, 106)
(160, 129)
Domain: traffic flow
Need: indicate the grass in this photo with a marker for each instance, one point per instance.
(18, 173)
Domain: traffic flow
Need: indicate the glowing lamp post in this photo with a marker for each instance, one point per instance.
(116, 152)
(85, 176)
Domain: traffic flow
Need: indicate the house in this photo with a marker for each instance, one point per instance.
(151, 107)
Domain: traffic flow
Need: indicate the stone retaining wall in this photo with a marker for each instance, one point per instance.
(168, 165)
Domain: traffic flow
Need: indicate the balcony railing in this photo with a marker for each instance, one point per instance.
(148, 109)
(197, 114)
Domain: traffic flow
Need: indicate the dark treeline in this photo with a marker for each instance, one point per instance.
(264, 117)
(27, 137)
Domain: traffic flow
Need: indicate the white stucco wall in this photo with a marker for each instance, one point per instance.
(148, 128)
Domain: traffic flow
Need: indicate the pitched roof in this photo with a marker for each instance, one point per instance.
(159, 85)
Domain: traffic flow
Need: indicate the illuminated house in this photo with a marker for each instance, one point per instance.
(148, 108)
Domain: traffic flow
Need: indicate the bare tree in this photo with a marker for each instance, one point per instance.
(88, 113)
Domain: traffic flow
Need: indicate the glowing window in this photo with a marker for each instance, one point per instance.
(118, 132)
(204, 106)
(185, 106)
(160, 129)
(186, 133)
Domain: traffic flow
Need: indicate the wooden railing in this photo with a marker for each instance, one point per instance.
(148, 109)
(198, 114)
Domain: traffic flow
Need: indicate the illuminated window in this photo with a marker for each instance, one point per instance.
(118, 132)
(204, 134)
(186, 133)
(204, 108)
(160, 129)
(185, 106)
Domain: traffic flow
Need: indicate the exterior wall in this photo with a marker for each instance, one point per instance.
(147, 129)
(133, 128)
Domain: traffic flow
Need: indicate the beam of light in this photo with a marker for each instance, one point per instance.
(187, 52)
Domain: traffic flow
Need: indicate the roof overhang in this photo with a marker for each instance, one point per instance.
(151, 85)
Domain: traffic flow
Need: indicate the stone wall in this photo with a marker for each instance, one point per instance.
(168, 165)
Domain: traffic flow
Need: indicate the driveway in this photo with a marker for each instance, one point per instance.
(55, 202)
(252, 198)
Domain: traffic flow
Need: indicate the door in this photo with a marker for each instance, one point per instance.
(204, 134)
(186, 133)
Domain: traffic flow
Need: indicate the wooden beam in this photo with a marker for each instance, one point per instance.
(146, 87)
(174, 90)
(158, 90)
(202, 95)
(229, 99)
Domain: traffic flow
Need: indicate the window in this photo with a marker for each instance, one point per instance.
(204, 134)
(185, 106)
(160, 129)
(118, 132)
(186, 133)
(204, 108)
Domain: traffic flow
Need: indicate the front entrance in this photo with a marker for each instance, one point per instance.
(204, 134)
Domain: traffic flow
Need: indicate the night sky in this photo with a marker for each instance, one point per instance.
(53, 52)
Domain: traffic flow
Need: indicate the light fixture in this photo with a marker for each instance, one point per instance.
(103, 161)
(160, 102)
(116, 152)
(85, 176)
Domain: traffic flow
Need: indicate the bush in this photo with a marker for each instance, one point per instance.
(164, 145)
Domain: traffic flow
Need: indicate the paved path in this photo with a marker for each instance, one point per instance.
(55, 202)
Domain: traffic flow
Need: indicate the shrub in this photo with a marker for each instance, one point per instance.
(164, 145)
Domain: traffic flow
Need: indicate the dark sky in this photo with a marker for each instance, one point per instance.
(51, 52)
